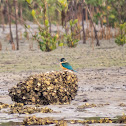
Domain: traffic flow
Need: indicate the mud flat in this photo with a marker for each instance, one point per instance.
(101, 74)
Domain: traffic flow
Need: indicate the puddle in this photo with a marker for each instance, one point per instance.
(11, 124)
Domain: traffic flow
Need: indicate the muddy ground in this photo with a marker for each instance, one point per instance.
(101, 74)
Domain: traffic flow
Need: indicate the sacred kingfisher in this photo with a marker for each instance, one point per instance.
(65, 65)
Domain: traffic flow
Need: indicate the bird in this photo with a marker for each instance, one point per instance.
(65, 65)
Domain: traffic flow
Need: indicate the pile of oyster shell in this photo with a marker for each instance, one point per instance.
(21, 109)
(46, 88)
(33, 120)
(2, 105)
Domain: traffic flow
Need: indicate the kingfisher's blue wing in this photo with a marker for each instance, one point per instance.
(67, 65)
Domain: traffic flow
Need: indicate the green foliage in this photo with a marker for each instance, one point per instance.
(121, 39)
(63, 4)
(29, 1)
(73, 22)
(37, 5)
(95, 2)
(61, 44)
(71, 42)
(27, 26)
(113, 10)
(48, 42)
(25, 34)
(33, 13)
(96, 17)
(46, 23)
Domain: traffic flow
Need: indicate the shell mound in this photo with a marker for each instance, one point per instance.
(46, 88)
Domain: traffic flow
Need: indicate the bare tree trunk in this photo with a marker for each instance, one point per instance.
(16, 11)
(49, 20)
(2, 16)
(72, 9)
(20, 11)
(92, 38)
(9, 9)
(96, 36)
(84, 35)
(45, 10)
(86, 14)
(0, 46)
